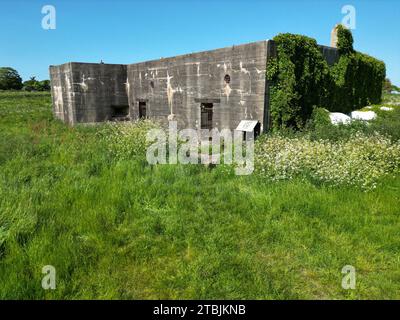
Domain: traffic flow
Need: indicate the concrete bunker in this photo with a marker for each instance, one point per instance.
(204, 90)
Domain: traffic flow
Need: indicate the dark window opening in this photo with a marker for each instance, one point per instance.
(142, 110)
(206, 114)
(257, 130)
(119, 112)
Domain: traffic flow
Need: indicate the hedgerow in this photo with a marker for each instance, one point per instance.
(300, 79)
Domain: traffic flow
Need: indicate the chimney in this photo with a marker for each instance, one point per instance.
(334, 38)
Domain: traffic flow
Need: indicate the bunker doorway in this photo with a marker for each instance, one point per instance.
(142, 110)
(206, 116)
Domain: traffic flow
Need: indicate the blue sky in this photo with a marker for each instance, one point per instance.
(122, 31)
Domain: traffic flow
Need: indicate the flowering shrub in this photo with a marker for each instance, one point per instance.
(126, 140)
(359, 161)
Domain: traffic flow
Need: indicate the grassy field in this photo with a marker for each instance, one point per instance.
(115, 227)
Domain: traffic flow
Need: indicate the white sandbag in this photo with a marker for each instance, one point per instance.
(363, 115)
(339, 118)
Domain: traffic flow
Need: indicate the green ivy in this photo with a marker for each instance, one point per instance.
(357, 82)
(296, 76)
(300, 79)
(345, 40)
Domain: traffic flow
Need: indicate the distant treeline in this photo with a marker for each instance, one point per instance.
(389, 87)
(11, 80)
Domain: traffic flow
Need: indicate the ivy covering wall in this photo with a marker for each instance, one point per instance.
(300, 79)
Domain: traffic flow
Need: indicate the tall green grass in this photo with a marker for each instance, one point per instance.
(119, 228)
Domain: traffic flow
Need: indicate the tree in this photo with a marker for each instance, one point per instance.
(44, 85)
(34, 85)
(31, 85)
(10, 79)
(387, 85)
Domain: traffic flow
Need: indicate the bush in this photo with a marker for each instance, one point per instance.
(387, 86)
(34, 85)
(10, 79)
(44, 85)
(320, 127)
(320, 118)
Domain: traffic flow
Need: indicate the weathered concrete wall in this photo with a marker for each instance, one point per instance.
(87, 92)
(330, 54)
(63, 107)
(174, 88)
